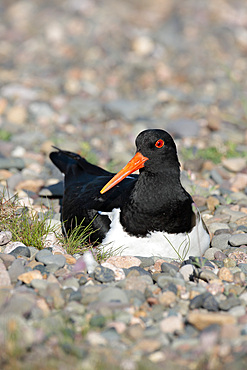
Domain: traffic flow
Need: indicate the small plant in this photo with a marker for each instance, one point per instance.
(5, 135)
(77, 240)
(24, 223)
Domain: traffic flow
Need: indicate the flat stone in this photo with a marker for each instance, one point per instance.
(4, 276)
(27, 277)
(210, 252)
(202, 320)
(213, 227)
(124, 261)
(234, 164)
(20, 252)
(5, 237)
(221, 241)
(228, 303)
(238, 239)
(220, 256)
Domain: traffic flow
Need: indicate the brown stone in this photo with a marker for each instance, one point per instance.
(27, 277)
(167, 298)
(70, 260)
(31, 185)
(225, 274)
(202, 320)
(4, 276)
(212, 202)
(17, 115)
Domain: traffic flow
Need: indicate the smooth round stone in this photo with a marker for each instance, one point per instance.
(139, 269)
(238, 239)
(210, 252)
(228, 303)
(38, 284)
(164, 279)
(169, 268)
(43, 253)
(5, 237)
(112, 294)
(33, 251)
(7, 259)
(82, 280)
(21, 252)
(103, 274)
(237, 311)
(220, 256)
(52, 267)
(221, 241)
(40, 268)
(49, 258)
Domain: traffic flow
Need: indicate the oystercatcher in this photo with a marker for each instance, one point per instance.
(149, 214)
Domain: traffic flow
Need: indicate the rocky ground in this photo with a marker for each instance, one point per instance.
(88, 76)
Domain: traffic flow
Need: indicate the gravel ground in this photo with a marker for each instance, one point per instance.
(88, 76)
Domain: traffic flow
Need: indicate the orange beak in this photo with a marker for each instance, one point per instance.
(134, 164)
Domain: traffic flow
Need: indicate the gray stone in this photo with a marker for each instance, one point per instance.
(46, 257)
(169, 268)
(243, 267)
(21, 252)
(183, 128)
(5, 237)
(4, 276)
(221, 241)
(16, 269)
(213, 227)
(112, 294)
(229, 303)
(103, 274)
(210, 252)
(10, 247)
(146, 261)
(164, 279)
(70, 282)
(238, 239)
(7, 163)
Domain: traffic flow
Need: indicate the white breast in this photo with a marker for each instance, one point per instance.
(178, 246)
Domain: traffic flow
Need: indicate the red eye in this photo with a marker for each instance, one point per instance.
(159, 143)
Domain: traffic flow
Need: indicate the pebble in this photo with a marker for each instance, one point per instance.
(27, 277)
(4, 276)
(20, 252)
(221, 241)
(141, 318)
(104, 274)
(238, 239)
(225, 274)
(172, 324)
(124, 262)
(5, 237)
(202, 320)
